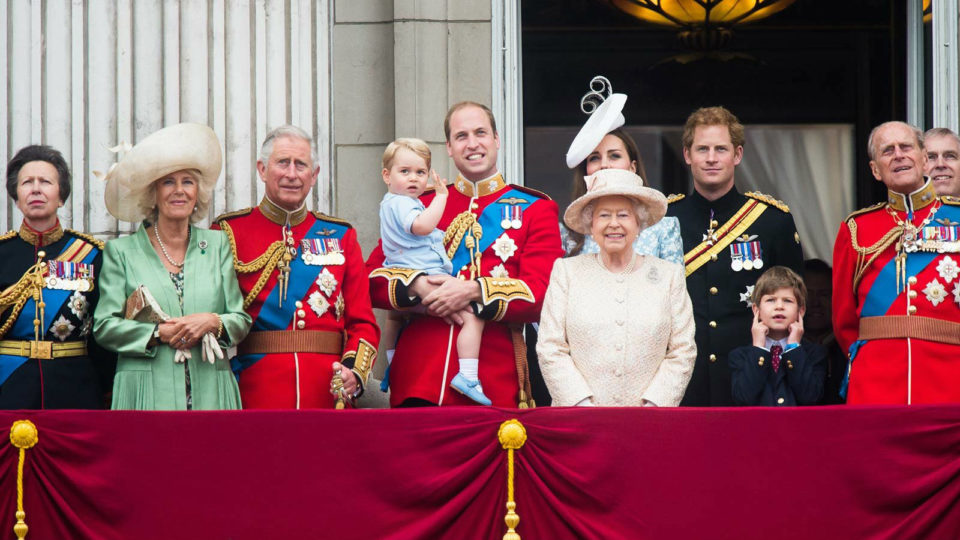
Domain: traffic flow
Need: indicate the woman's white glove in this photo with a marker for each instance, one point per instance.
(585, 402)
(181, 355)
(211, 349)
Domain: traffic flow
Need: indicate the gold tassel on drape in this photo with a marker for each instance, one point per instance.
(512, 435)
(23, 435)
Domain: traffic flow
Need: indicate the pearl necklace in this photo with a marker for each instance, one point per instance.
(163, 248)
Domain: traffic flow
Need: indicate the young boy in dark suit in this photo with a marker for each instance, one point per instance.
(778, 369)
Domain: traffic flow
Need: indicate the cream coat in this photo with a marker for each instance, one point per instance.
(616, 338)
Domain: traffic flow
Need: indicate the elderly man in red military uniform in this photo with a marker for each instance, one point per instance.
(896, 281)
(502, 240)
(304, 284)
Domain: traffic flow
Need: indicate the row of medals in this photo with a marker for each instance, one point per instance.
(739, 263)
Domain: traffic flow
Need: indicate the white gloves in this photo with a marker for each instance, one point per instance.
(211, 350)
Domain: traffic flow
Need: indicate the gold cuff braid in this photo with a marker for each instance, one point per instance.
(363, 360)
(505, 289)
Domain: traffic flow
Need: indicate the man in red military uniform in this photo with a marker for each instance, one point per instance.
(502, 240)
(304, 284)
(896, 292)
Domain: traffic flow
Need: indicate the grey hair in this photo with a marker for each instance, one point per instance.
(288, 131)
(942, 132)
(639, 210)
(872, 152)
(148, 199)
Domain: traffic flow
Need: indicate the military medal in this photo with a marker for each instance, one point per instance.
(322, 252)
(757, 255)
(512, 216)
(305, 249)
(68, 276)
(736, 258)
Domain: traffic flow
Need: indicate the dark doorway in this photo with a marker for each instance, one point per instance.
(816, 62)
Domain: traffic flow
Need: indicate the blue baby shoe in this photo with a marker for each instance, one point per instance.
(471, 389)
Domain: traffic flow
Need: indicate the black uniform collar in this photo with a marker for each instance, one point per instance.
(730, 202)
(40, 238)
(281, 216)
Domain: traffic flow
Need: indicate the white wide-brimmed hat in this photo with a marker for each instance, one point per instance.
(619, 182)
(171, 149)
(606, 114)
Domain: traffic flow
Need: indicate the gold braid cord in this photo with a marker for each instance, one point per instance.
(23, 435)
(465, 224)
(512, 435)
(266, 263)
(16, 295)
(873, 251)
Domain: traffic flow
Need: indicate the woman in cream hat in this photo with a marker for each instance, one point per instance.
(616, 327)
(165, 182)
(602, 143)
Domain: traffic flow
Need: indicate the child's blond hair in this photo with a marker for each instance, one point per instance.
(417, 146)
(780, 277)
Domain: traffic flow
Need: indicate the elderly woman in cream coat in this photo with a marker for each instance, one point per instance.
(617, 327)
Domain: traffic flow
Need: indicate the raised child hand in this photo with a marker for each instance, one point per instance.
(759, 330)
(439, 184)
(796, 331)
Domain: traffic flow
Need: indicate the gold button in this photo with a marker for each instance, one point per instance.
(713, 324)
(713, 290)
(912, 309)
(713, 358)
(789, 364)
(301, 325)
(912, 293)
(299, 304)
(779, 401)
(714, 223)
(912, 280)
(760, 363)
(713, 257)
(301, 313)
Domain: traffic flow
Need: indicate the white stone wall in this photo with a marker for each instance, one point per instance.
(85, 75)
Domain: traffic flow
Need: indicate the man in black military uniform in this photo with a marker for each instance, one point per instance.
(729, 239)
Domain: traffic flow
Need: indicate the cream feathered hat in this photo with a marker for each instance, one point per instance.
(606, 114)
(174, 148)
(621, 182)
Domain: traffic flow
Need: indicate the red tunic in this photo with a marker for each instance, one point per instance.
(898, 369)
(271, 380)
(512, 286)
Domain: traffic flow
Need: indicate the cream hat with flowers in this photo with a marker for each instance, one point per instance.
(619, 182)
(174, 148)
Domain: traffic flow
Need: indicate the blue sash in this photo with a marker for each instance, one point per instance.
(22, 328)
(489, 220)
(274, 316)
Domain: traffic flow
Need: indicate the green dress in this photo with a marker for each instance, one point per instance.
(147, 377)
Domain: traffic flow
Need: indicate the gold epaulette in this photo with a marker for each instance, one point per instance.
(950, 199)
(86, 237)
(531, 191)
(871, 208)
(324, 217)
(7, 235)
(674, 197)
(769, 200)
(237, 213)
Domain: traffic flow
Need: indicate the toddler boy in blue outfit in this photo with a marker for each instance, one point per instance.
(410, 239)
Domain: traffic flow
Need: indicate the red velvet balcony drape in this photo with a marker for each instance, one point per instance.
(833, 472)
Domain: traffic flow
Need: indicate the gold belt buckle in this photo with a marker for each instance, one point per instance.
(42, 350)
